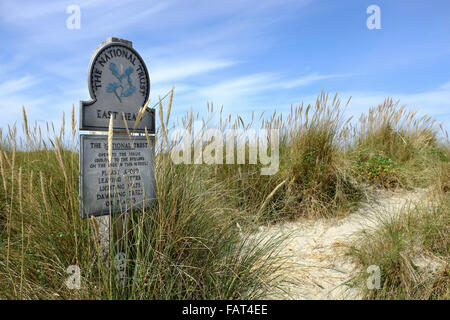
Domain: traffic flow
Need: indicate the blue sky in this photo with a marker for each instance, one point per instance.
(245, 55)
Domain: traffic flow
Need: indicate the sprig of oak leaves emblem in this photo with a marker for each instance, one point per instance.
(114, 86)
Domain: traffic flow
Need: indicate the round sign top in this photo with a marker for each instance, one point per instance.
(118, 76)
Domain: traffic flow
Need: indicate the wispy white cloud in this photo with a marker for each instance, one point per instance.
(445, 86)
(208, 50)
(18, 12)
(27, 91)
(21, 13)
(434, 102)
(14, 85)
(169, 71)
(135, 15)
(238, 88)
(309, 79)
(261, 92)
(44, 22)
(244, 94)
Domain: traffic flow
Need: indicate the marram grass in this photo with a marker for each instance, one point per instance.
(185, 246)
(189, 243)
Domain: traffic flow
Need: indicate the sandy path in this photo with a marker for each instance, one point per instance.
(316, 249)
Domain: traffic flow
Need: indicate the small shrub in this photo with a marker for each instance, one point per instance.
(380, 170)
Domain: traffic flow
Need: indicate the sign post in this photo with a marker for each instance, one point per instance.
(116, 175)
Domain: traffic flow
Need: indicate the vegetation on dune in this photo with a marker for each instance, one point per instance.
(189, 244)
(314, 178)
(393, 145)
(413, 248)
(186, 246)
(412, 251)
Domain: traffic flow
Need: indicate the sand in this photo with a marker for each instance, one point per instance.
(316, 249)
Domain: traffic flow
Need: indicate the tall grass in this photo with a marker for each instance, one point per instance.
(314, 178)
(319, 178)
(393, 144)
(412, 248)
(185, 246)
(189, 243)
(412, 251)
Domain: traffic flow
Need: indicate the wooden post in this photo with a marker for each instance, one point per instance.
(104, 224)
